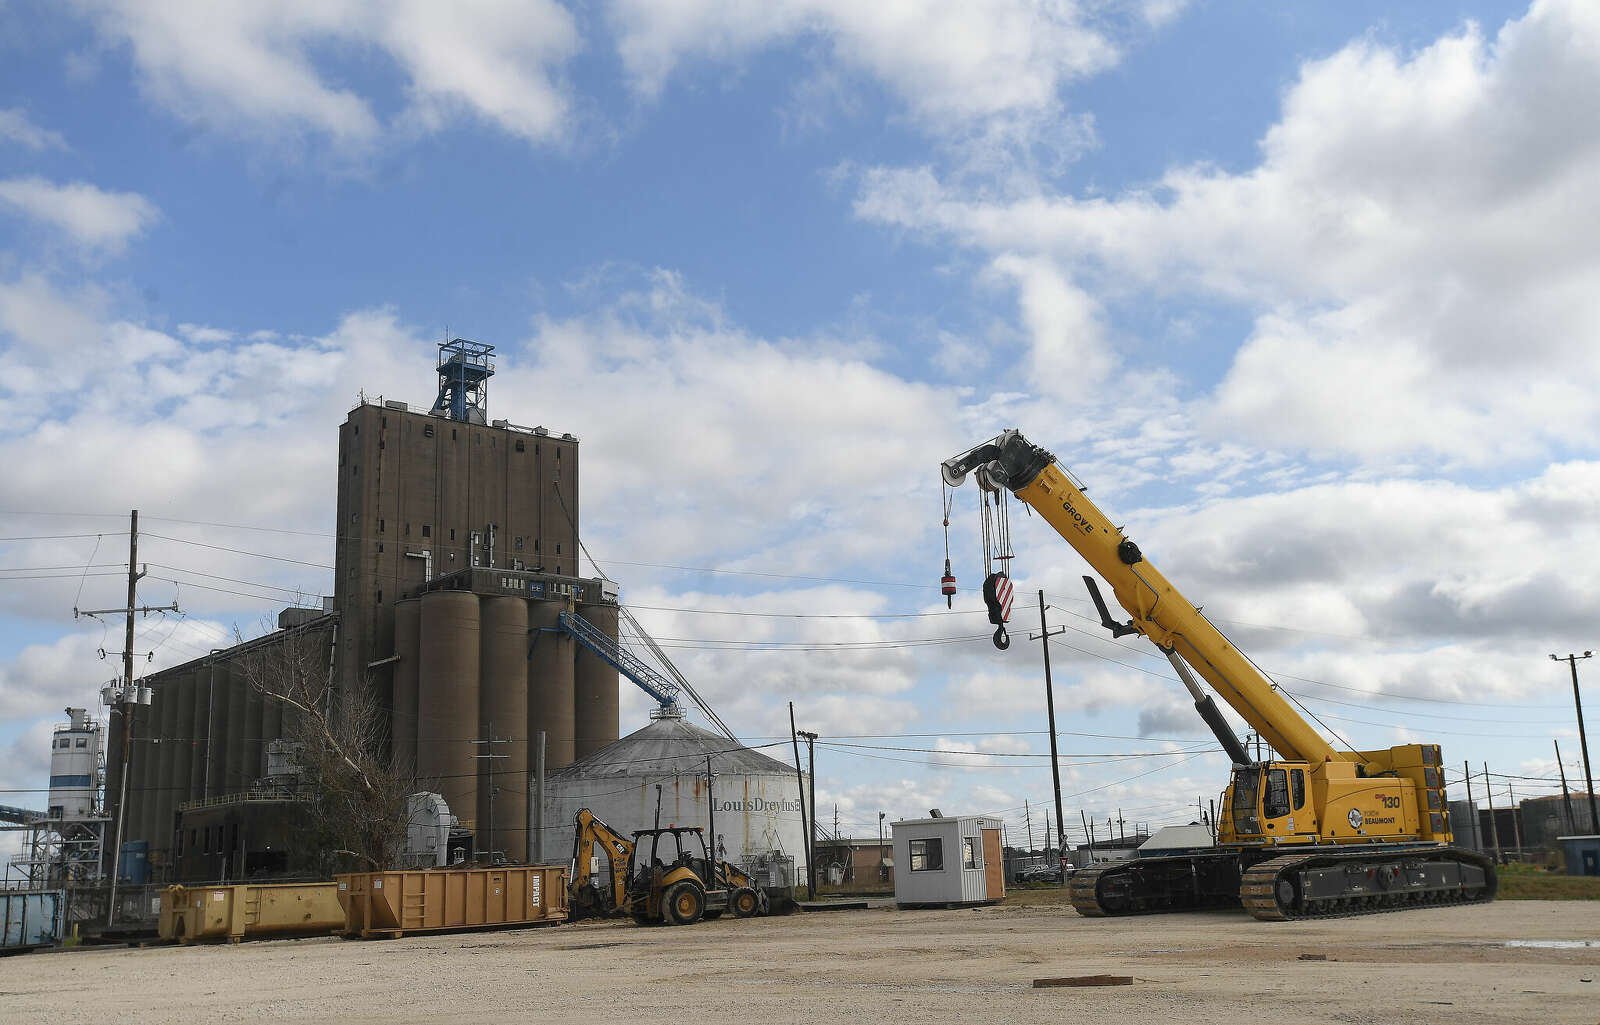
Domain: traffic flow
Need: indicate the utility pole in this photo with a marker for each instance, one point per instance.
(800, 781)
(536, 800)
(128, 695)
(1027, 820)
(811, 844)
(1516, 826)
(1583, 739)
(711, 805)
(1494, 827)
(1566, 796)
(1050, 711)
(1477, 827)
(881, 862)
(494, 788)
(1212, 804)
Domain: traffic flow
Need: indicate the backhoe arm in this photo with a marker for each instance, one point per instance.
(592, 833)
(1159, 611)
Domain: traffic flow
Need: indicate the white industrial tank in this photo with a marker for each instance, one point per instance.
(75, 767)
(757, 797)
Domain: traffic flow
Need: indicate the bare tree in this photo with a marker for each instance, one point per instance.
(356, 797)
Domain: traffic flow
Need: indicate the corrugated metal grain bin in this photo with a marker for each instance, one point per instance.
(190, 913)
(31, 918)
(395, 903)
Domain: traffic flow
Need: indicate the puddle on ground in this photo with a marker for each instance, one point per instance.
(1552, 944)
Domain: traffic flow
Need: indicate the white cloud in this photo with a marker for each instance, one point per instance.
(202, 335)
(17, 127)
(1414, 245)
(953, 66)
(90, 216)
(265, 67)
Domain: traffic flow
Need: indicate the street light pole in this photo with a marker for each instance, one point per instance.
(1583, 740)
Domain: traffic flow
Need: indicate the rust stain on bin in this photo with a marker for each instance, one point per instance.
(395, 903)
(190, 913)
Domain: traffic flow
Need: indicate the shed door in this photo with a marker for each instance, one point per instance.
(994, 870)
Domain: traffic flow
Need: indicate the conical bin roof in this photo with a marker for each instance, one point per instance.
(670, 745)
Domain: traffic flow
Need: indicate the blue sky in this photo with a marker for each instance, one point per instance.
(1307, 297)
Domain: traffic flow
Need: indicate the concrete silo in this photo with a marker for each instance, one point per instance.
(551, 692)
(596, 704)
(757, 797)
(447, 699)
(503, 717)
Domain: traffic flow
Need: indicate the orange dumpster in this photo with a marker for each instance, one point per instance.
(398, 902)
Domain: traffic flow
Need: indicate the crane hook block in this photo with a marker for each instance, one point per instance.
(947, 586)
(997, 596)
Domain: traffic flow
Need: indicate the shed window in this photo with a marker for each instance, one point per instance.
(427, 530)
(83, 742)
(519, 542)
(427, 430)
(521, 447)
(971, 852)
(927, 855)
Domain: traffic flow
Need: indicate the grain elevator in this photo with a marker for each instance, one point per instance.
(456, 550)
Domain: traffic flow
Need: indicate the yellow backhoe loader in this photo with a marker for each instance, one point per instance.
(660, 875)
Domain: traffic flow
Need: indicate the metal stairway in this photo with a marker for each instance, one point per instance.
(663, 690)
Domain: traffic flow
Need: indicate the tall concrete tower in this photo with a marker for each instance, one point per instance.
(426, 493)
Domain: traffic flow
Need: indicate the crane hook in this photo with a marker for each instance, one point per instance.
(1002, 640)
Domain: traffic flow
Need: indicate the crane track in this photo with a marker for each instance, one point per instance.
(1269, 888)
(1368, 882)
(1082, 892)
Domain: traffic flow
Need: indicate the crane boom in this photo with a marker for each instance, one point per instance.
(1160, 612)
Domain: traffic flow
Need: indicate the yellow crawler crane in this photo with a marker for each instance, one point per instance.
(1316, 832)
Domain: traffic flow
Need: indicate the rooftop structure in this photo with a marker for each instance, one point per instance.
(464, 371)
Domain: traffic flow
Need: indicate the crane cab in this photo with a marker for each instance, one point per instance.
(1367, 797)
(1269, 802)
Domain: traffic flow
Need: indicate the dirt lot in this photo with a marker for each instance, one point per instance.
(1448, 965)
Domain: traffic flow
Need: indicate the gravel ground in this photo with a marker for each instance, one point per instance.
(1445, 965)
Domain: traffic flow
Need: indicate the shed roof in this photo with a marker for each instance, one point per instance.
(668, 746)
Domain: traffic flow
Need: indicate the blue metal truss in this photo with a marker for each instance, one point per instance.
(464, 372)
(663, 690)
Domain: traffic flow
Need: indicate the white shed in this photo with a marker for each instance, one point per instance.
(942, 861)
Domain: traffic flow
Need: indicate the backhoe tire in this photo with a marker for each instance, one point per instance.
(744, 902)
(683, 903)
